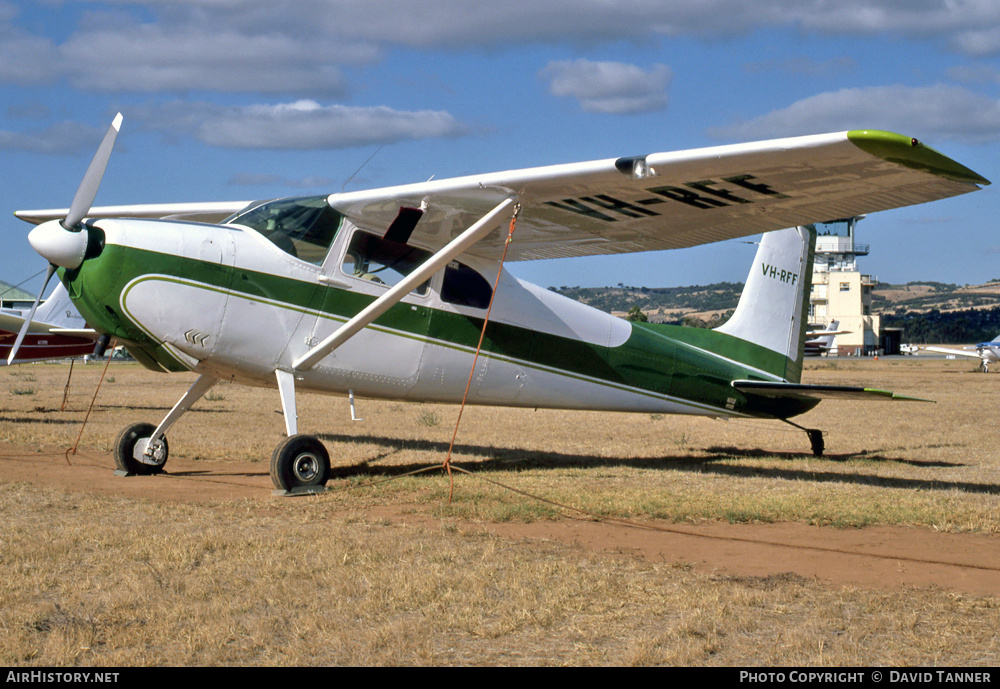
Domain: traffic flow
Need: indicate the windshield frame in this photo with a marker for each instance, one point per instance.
(303, 227)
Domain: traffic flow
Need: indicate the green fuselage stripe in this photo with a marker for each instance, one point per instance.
(687, 364)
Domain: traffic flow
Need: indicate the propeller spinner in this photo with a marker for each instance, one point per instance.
(63, 243)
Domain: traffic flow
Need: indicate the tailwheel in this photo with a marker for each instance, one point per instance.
(130, 450)
(816, 440)
(300, 464)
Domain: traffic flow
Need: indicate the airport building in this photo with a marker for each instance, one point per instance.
(14, 298)
(840, 292)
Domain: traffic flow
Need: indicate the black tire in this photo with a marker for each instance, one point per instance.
(126, 458)
(300, 461)
(816, 441)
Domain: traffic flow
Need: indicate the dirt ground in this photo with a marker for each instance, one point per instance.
(876, 557)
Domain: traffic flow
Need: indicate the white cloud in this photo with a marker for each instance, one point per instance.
(979, 43)
(301, 125)
(941, 111)
(609, 87)
(62, 138)
(300, 47)
(24, 58)
(185, 58)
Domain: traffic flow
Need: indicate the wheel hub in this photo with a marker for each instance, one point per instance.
(306, 467)
(154, 455)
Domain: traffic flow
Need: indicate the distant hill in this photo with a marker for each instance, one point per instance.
(926, 311)
(661, 304)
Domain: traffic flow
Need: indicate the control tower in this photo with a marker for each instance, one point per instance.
(840, 292)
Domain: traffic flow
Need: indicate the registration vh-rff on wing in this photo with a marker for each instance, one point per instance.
(384, 293)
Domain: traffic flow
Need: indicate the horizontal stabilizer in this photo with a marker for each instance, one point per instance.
(818, 392)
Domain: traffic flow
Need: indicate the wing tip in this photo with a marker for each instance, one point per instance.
(912, 153)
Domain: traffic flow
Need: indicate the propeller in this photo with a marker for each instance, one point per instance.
(63, 243)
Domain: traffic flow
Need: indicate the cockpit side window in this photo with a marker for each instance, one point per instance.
(465, 287)
(302, 227)
(381, 261)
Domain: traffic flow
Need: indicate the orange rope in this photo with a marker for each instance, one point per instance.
(479, 346)
(66, 389)
(72, 451)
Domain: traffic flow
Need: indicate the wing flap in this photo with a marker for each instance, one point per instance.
(818, 392)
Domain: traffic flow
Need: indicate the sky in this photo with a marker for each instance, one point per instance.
(251, 99)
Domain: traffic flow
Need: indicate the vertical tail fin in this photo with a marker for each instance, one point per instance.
(59, 311)
(773, 309)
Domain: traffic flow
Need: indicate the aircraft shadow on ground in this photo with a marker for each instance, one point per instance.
(138, 407)
(517, 459)
(43, 421)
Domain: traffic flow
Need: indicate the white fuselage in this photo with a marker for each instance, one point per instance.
(246, 330)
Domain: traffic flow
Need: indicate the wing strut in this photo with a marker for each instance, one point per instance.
(461, 243)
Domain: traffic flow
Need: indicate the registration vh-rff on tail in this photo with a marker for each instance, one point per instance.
(384, 293)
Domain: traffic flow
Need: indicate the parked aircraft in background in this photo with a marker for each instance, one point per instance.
(986, 352)
(385, 293)
(819, 342)
(55, 331)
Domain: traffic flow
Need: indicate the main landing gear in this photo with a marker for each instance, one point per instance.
(299, 464)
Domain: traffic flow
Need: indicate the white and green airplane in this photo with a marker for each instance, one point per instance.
(384, 293)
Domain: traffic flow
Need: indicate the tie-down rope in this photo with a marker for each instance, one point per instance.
(479, 346)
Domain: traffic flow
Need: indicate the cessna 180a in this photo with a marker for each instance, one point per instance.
(383, 293)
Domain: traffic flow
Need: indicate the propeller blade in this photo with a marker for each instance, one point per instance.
(87, 191)
(31, 314)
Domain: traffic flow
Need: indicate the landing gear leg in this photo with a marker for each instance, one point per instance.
(815, 438)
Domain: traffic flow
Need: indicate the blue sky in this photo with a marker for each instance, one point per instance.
(248, 99)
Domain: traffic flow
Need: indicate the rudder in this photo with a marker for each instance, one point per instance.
(773, 309)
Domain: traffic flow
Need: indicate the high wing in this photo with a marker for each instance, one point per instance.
(674, 200)
(645, 203)
(210, 212)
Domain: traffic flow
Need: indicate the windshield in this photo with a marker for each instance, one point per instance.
(303, 227)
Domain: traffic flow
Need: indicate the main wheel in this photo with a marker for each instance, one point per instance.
(130, 448)
(300, 461)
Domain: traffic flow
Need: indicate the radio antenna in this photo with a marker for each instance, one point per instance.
(360, 169)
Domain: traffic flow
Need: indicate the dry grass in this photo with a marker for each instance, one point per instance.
(935, 465)
(103, 582)
(97, 581)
